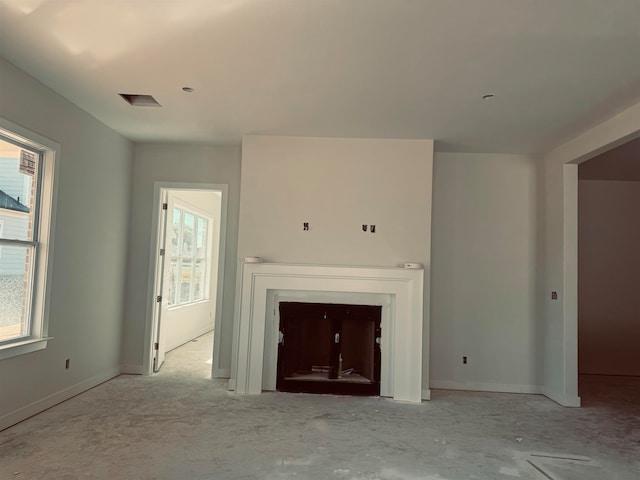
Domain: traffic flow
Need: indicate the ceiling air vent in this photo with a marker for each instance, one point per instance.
(140, 100)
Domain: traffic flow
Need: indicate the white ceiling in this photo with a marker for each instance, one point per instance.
(343, 68)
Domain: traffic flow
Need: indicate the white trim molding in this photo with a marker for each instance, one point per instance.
(486, 387)
(562, 399)
(402, 323)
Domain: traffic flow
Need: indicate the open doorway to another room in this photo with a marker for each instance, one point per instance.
(186, 281)
(609, 275)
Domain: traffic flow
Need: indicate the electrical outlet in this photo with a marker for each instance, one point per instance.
(66, 364)
(364, 228)
(464, 360)
(372, 228)
(554, 295)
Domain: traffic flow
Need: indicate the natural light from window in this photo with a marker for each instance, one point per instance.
(28, 164)
(18, 239)
(188, 254)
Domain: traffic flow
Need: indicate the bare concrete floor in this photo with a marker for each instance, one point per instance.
(183, 426)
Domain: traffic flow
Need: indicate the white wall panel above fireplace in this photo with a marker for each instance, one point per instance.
(336, 185)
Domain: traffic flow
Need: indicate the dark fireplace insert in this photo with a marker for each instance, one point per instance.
(329, 348)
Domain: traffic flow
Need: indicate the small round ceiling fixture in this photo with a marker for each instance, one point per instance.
(188, 89)
(488, 96)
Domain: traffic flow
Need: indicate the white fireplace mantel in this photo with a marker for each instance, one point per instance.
(402, 324)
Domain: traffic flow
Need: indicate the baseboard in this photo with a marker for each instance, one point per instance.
(486, 387)
(221, 373)
(132, 369)
(36, 407)
(562, 399)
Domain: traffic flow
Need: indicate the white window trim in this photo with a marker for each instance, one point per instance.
(42, 280)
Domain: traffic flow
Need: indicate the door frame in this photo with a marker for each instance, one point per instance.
(152, 281)
(560, 361)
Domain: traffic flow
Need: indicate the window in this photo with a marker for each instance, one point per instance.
(26, 207)
(188, 265)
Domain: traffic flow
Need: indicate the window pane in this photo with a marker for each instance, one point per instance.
(18, 182)
(201, 238)
(174, 232)
(185, 281)
(198, 281)
(173, 282)
(15, 290)
(188, 234)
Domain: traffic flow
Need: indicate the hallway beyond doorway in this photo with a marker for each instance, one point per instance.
(193, 359)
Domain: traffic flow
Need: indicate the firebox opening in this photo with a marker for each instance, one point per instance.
(329, 348)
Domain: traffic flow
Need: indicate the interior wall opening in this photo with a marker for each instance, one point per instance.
(186, 282)
(608, 269)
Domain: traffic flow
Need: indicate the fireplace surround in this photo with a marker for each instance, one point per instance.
(399, 291)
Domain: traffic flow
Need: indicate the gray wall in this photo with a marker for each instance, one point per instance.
(608, 277)
(90, 249)
(484, 273)
(336, 185)
(620, 163)
(176, 163)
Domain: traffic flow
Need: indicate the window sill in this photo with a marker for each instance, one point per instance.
(187, 305)
(25, 346)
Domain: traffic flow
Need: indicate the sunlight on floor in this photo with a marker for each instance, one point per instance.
(193, 359)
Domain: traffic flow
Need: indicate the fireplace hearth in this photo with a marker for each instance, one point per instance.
(329, 348)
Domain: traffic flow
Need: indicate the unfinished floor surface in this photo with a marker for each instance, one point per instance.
(179, 425)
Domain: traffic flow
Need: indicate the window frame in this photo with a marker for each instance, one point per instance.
(44, 227)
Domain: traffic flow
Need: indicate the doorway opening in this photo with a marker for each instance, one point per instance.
(186, 284)
(608, 270)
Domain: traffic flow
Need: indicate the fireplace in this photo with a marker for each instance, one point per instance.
(397, 291)
(329, 348)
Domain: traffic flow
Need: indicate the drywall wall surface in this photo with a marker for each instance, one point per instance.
(90, 250)
(561, 248)
(183, 323)
(338, 185)
(483, 276)
(180, 163)
(608, 277)
(559, 382)
(620, 163)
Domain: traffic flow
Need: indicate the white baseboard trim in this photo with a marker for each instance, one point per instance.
(132, 369)
(49, 401)
(221, 373)
(426, 394)
(562, 399)
(486, 387)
